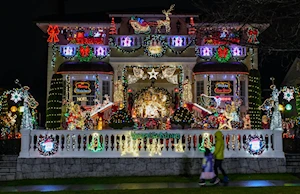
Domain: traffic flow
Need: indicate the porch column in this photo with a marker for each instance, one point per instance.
(25, 141)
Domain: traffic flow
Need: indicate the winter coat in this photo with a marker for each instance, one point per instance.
(219, 148)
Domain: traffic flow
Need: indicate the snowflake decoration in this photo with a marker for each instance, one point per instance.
(16, 96)
(288, 94)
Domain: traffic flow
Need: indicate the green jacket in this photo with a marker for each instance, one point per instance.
(219, 148)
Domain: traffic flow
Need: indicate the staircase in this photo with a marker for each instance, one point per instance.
(292, 163)
(8, 167)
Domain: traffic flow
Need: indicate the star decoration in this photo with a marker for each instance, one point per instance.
(288, 94)
(16, 96)
(153, 74)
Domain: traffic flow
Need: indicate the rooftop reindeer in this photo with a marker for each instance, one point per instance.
(166, 22)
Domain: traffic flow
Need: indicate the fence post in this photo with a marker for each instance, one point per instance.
(25, 141)
(278, 147)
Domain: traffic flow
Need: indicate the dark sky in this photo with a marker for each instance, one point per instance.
(34, 74)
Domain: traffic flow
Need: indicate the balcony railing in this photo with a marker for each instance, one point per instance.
(135, 41)
(146, 144)
(209, 50)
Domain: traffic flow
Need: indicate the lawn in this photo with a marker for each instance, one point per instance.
(202, 190)
(149, 179)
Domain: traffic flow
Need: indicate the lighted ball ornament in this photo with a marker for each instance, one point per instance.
(288, 107)
(47, 145)
(255, 145)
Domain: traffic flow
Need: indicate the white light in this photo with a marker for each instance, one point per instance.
(86, 77)
(93, 77)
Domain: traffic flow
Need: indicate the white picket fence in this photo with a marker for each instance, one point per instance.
(119, 143)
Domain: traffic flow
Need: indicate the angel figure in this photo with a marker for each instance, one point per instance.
(276, 121)
(187, 91)
(137, 75)
(233, 113)
(118, 94)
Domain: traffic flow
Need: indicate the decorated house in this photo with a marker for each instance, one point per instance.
(148, 69)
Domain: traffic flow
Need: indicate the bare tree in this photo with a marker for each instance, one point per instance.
(281, 38)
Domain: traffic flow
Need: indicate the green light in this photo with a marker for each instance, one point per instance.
(288, 107)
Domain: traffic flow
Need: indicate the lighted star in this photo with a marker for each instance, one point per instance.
(153, 74)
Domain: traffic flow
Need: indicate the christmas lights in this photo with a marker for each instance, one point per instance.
(85, 53)
(255, 145)
(95, 145)
(47, 145)
(155, 46)
(223, 54)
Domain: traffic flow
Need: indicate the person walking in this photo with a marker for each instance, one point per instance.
(219, 157)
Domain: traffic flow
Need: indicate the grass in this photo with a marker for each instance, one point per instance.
(149, 179)
(203, 190)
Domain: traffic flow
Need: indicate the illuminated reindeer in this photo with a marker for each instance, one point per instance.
(166, 22)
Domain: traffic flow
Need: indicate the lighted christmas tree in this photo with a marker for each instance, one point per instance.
(182, 117)
(112, 28)
(120, 119)
(54, 107)
(192, 29)
(95, 144)
(255, 98)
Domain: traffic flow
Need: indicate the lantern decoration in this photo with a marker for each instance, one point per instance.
(223, 54)
(85, 53)
(252, 34)
(53, 31)
(13, 109)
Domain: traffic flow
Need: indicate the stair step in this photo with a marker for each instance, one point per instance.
(8, 164)
(8, 158)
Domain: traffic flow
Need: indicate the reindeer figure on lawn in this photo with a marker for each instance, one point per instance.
(166, 22)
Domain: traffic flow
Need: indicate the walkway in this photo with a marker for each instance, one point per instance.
(48, 188)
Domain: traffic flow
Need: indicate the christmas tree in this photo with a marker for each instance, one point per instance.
(192, 29)
(182, 116)
(112, 28)
(95, 144)
(54, 106)
(120, 119)
(254, 98)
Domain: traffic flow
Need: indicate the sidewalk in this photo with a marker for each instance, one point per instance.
(48, 188)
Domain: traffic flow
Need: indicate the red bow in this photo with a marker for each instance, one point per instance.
(253, 32)
(222, 52)
(53, 32)
(84, 51)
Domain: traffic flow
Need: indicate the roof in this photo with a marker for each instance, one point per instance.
(85, 67)
(292, 77)
(215, 67)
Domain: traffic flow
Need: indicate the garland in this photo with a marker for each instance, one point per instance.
(248, 145)
(223, 54)
(85, 53)
(42, 145)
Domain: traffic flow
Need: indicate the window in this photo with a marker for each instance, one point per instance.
(105, 88)
(199, 87)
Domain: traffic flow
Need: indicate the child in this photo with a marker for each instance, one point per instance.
(207, 167)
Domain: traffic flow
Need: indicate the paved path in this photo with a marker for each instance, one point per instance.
(48, 188)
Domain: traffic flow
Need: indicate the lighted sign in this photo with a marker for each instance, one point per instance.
(155, 49)
(225, 99)
(68, 51)
(82, 88)
(222, 88)
(154, 135)
(82, 99)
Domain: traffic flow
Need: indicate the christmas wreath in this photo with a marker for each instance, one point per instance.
(255, 145)
(223, 54)
(85, 53)
(155, 46)
(47, 145)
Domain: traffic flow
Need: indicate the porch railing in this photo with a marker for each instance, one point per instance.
(149, 143)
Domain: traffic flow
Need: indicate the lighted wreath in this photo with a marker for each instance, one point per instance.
(155, 46)
(255, 145)
(85, 53)
(47, 145)
(223, 54)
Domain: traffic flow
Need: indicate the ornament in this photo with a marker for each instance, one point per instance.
(16, 96)
(153, 74)
(288, 94)
(85, 53)
(47, 145)
(255, 145)
(53, 31)
(223, 54)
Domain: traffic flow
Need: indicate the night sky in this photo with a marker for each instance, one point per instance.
(34, 73)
